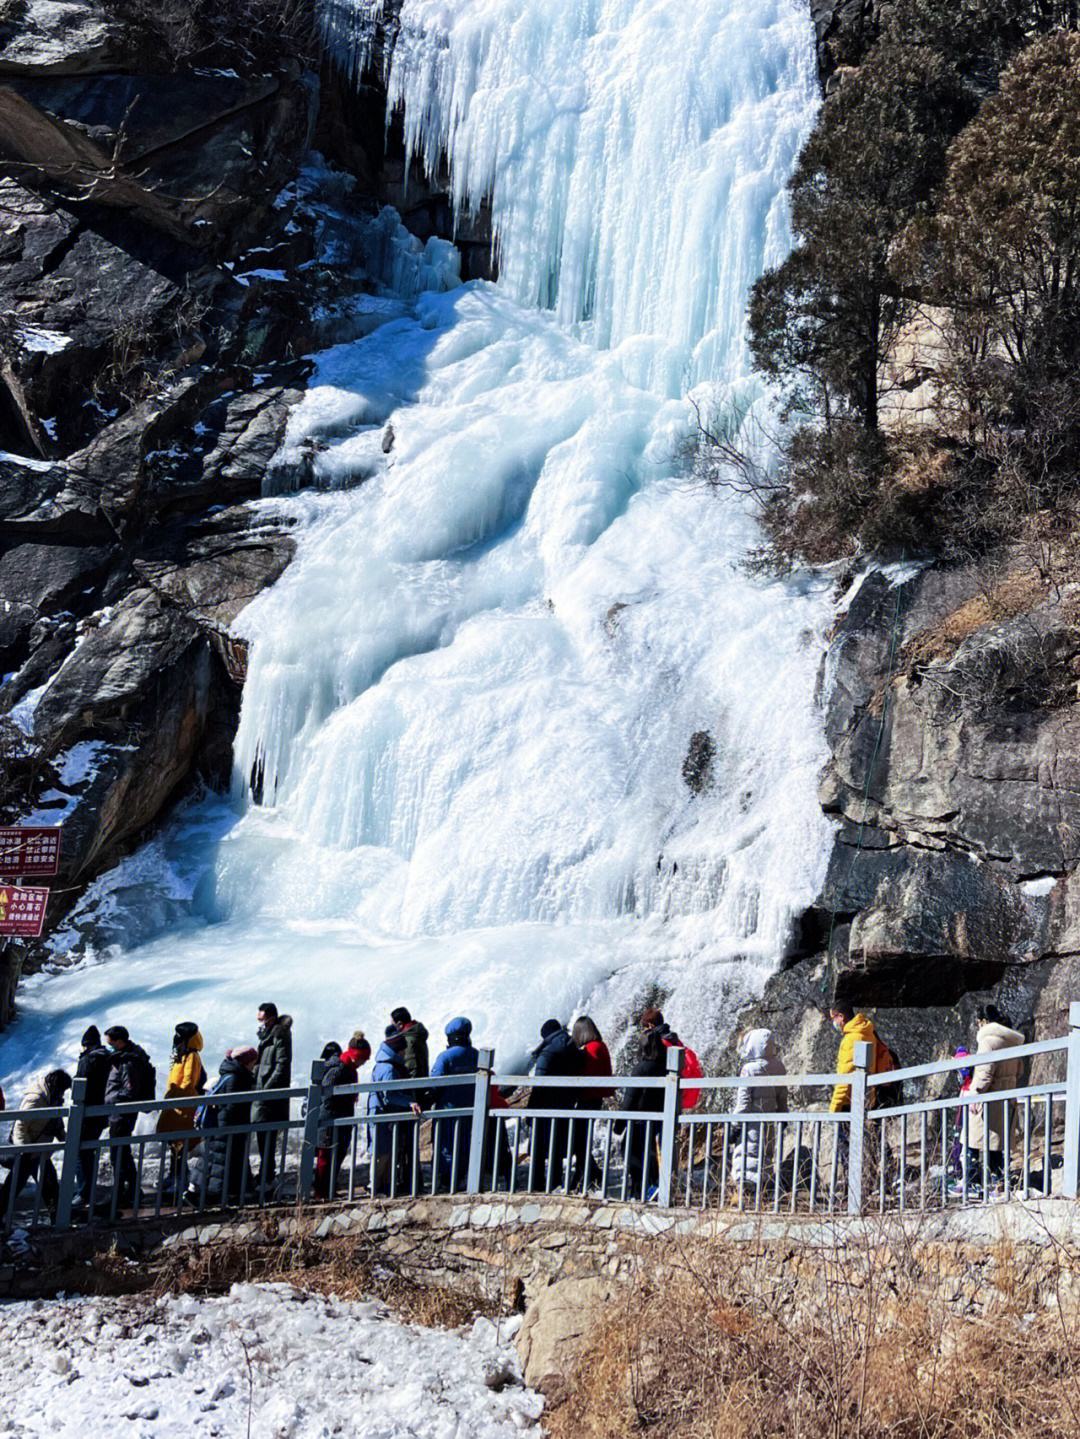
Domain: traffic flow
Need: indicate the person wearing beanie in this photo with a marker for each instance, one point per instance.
(453, 1136)
(93, 1065)
(131, 1077)
(556, 1054)
(332, 1140)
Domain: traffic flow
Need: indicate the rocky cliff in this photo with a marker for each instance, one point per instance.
(952, 715)
(170, 250)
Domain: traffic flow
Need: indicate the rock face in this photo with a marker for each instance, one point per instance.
(952, 715)
(153, 305)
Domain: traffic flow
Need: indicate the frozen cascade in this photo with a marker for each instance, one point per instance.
(472, 692)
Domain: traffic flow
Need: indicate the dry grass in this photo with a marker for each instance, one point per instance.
(350, 1266)
(1014, 595)
(715, 1347)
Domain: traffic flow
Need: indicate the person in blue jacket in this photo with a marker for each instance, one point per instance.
(390, 1065)
(454, 1135)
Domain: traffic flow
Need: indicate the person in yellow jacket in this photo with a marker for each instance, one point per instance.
(854, 1028)
(187, 1078)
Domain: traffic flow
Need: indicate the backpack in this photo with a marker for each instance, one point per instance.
(143, 1079)
(886, 1096)
(691, 1069)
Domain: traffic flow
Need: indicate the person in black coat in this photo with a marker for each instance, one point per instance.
(93, 1065)
(225, 1175)
(130, 1077)
(332, 1140)
(557, 1054)
(274, 1072)
(642, 1165)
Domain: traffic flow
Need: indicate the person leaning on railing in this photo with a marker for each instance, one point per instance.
(45, 1093)
(224, 1174)
(340, 1068)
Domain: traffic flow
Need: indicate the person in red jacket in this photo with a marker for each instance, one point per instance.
(597, 1066)
(332, 1140)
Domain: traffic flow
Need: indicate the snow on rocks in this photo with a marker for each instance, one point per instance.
(266, 1359)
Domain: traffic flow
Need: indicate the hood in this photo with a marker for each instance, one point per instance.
(459, 1032)
(386, 1055)
(195, 1043)
(418, 1027)
(861, 1028)
(556, 1039)
(229, 1065)
(757, 1044)
(1000, 1034)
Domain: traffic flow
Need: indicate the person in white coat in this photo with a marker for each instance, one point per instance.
(754, 1141)
(990, 1121)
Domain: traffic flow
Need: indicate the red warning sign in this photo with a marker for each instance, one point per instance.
(22, 911)
(26, 851)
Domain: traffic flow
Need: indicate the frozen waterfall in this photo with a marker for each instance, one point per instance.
(472, 693)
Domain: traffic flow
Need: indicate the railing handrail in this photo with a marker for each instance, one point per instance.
(969, 1061)
(766, 1081)
(557, 1139)
(962, 1101)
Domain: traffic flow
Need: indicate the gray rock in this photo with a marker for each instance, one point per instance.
(39, 579)
(61, 37)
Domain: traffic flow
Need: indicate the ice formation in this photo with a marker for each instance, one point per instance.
(471, 695)
(264, 1359)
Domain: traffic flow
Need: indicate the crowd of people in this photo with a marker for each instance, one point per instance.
(212, 1154)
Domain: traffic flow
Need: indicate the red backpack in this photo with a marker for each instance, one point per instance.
(691, 1069)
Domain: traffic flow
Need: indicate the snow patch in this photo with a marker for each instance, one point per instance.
(266, 1360)
(43, 342)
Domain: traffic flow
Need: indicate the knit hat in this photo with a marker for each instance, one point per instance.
(549, 1027)
(92, 1037)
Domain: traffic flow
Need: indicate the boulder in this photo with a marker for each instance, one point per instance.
(132, 703)
(59, 37)
(559, 1325)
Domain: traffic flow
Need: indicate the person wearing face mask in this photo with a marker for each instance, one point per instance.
(853, 1028)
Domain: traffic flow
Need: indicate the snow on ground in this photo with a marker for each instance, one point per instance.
(266, 1360)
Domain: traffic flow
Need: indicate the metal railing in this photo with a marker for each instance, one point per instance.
(930, 1152)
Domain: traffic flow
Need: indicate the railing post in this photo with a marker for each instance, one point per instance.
(306, 1187)
(669, 1131)
(1071, 1178)
(863, 1058)
(72, 1142)
(481, 1100)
